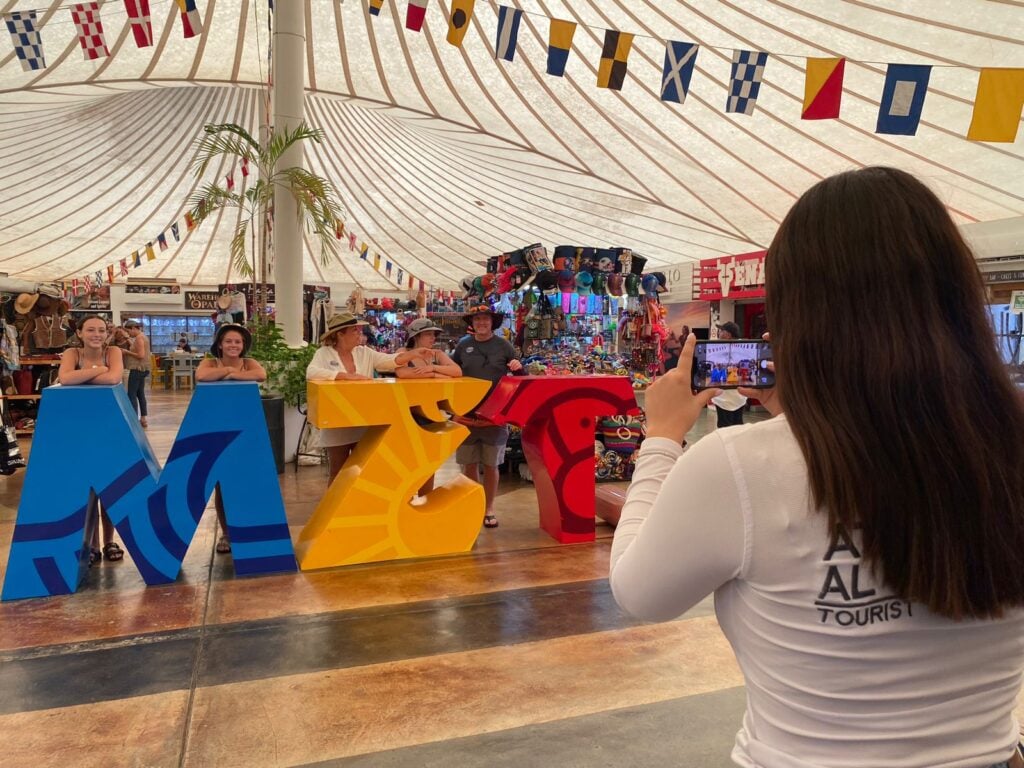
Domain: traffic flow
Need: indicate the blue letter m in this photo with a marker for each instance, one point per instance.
(88, 444)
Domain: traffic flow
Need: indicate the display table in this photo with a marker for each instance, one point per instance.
(557, 415)
(366, 515)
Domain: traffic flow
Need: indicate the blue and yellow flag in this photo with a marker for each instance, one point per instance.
(559, 45)
(375, 6)
(458, 23)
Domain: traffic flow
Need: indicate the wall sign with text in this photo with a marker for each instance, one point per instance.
(732, 277)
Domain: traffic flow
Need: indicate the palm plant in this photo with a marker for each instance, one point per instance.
(314, 195)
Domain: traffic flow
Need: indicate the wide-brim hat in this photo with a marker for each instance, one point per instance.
(421, 325)
(25, 302)
(224, 301)
(732, 328)
(497, 318)
(340, 322)
(246, 338)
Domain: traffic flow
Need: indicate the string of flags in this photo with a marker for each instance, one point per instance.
(28, 45)
(403, 278)
(998, 103)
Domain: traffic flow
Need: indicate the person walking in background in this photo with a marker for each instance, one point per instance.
(729, 403)
(137, 362)
(863, 546)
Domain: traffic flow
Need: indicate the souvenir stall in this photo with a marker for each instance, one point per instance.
(581, 311)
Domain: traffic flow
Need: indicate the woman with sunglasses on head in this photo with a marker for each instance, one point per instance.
(94, 363)
(863, 546)
(229, 363)
(343, 357)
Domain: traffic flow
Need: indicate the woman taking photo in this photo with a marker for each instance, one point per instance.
(229, 363)
(94, 363)
(342, 357)
(864, 547)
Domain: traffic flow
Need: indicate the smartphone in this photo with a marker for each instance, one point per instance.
(731, 364)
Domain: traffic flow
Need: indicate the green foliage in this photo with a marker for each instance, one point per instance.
(315, 196)
(285, 366)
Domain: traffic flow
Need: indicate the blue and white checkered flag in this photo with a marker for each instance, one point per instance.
(745, 81)
(27, 44)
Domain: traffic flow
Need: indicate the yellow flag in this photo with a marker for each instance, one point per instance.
(458, 23)
(997, 105)
(611, 72)
(150, 253)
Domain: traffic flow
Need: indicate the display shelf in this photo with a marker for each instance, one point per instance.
(21, 397)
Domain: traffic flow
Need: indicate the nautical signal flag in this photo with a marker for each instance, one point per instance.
(138, 18)
(90, 30)
(110, 273)
(376, 261)
(400, 277)
(899, 112)
(375, 6)
(190, 23)
(351, 241)
(997, 105)
(150, 253)
(611, 72)
(162, 241)
(675, 78)
(136, 259)
(364, 249)
(28, 46)
(462, 12)
(414, 14)
(387, 268)
(124, 267)
(559, 45)
(175, 232)
(508, 33)
(823, 89)
(746, 74)
(190, 222)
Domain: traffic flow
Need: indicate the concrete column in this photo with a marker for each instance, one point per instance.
(289, 111)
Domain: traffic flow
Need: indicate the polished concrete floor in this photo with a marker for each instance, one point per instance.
(513, 655)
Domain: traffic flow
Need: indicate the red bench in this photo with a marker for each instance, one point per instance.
(608, 501)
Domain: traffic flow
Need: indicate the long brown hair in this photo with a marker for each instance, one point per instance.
(887, 366)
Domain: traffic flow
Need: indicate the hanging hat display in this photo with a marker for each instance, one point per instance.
(566, 281)
(584, 280)
(615, 282)
(25, 302)
(632, 284)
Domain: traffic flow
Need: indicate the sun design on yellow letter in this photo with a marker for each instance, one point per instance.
(365, 516)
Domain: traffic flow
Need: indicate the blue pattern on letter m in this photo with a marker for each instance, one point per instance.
(223, 439)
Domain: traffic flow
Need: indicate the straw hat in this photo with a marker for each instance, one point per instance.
(340, 322)
(25, 302)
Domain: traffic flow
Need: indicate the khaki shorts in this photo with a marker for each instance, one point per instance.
(485, 446)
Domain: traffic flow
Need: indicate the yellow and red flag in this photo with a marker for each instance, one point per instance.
(823, 89)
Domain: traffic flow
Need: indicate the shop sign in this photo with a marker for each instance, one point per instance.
(1004, 277)
(153, 289)
(205, 301)
(1017, 302)
(732, 277)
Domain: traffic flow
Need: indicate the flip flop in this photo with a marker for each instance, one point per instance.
(113, 552)
(223, 545)
(490, 521)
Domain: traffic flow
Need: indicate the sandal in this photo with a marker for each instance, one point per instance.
(223, 545)
(113, 551)
(144, 422)
(94, 557)
(490, 521)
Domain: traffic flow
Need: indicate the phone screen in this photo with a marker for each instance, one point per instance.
(731, 364)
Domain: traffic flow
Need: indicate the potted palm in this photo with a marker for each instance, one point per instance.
(318, 208)
(314, 195)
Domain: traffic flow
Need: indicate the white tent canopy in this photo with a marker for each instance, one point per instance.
(444, 156)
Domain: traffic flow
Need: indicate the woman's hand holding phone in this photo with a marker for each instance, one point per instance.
(769, 398)
(670, 405)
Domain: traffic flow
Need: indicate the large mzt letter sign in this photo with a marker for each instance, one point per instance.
(89, 446)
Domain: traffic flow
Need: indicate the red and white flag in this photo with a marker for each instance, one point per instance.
(138, 17)
(74, 286)
(90, 30)
(230, 178)
(352, 241)
(124, 267)
(245, 167)
(190, 23)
